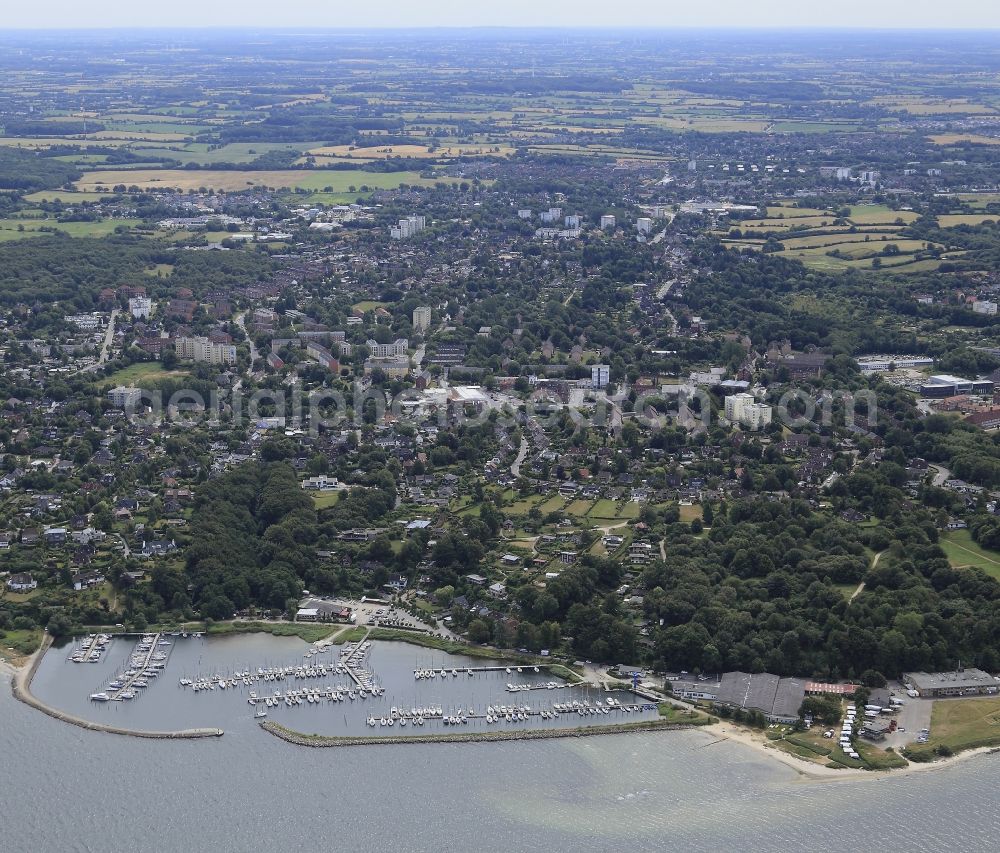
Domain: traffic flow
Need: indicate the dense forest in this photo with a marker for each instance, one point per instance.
(763, 592)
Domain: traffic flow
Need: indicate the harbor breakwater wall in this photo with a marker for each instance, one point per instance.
(21, 688)
(300, 739)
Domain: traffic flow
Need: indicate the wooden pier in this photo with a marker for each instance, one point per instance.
(138, 669)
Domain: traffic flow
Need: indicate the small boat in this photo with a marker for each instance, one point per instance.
(260, 713)
(99, 697)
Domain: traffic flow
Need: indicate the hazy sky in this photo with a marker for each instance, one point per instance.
(931, 14)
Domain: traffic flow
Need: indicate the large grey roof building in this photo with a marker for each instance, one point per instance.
(778, 699)
(964, 681)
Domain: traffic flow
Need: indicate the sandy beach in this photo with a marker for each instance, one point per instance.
(720, 733)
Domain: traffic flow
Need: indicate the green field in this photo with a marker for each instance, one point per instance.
(134, 374)
(553, 504)
(880, 214)
(67, 196)
(958, 724)
(338, 181)
(19, 229)
(950, 220)
(579, 508)
(962, 552)
(325, 499)
(235, 152)
(18, 643)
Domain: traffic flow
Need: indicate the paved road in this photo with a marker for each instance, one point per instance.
(522, 451)
(240, 321)
(941, 475)
(109, 337)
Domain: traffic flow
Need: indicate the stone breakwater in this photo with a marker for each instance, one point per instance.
(21, 688)
(300, 739)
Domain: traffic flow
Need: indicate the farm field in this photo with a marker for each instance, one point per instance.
(950, 220)
(384, 152)
(959, 138)
(235, 180)
(206, 155)
(68, 196)
(880, 214)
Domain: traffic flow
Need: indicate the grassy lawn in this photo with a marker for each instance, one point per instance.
(845, 589)
(959, 724)
(19, 229)
(311, 633)
(367, 305)
(878, 759)
(159, 270)
(690, 513)
(673, 714)
(325, 499)
(553, 504)
(141, 371)
(579, 508)
(15, 645)
(604, 508)
(963, 552)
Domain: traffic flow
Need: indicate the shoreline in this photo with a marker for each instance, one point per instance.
(720, 732)
(21, 678)
(810, 772)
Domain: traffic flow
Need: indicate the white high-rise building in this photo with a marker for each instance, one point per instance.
(140, 307)
(421, 318)
(644, 224)
(744, 409)
(608, 221)
(202, 349)
(408, 227)
(124, 397)
(600, 375)
(396, 349)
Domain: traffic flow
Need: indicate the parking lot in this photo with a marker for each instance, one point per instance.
(373, 613)
(914, 716)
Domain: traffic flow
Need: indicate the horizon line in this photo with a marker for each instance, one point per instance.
(286, 29)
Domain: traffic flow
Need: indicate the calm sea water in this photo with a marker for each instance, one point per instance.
(66, 789)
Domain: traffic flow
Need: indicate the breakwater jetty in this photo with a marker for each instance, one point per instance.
(300, 739)
(21, 688)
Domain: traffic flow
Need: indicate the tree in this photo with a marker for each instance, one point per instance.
(826, 709)
(479, 631)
